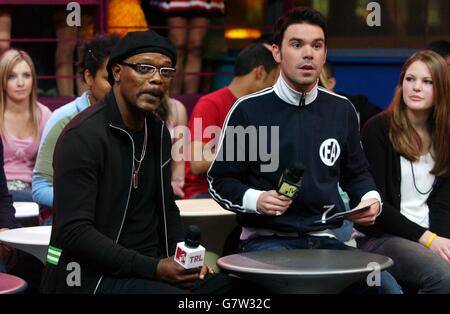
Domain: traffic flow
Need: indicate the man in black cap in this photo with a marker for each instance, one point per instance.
(116, 224)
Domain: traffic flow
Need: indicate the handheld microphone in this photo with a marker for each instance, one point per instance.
(190, 254)
(291, 180)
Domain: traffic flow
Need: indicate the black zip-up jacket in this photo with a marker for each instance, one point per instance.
(385, 167)
(7, 211)
(92, 182)
(319, 129)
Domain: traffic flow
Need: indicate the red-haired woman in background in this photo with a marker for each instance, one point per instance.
(408, 148)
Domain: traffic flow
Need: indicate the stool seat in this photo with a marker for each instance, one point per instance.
(10, 284)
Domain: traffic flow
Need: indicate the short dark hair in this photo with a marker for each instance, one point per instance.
(441, 47)
(298, 15)
(266, 38)
(253, 56)
(95, 52)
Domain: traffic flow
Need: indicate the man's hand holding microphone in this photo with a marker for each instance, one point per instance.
(276, 202)
(186, 267)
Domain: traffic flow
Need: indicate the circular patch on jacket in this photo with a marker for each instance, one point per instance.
(329, 151)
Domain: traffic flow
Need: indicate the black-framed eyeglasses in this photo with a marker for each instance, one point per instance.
(148, 69)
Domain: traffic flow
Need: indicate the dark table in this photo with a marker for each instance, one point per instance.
(304, 271)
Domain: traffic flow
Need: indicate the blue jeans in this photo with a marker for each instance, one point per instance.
(2, 266)
(201, 196)
(344, 233)
(21, 195)
(276, 243)
(414, 265)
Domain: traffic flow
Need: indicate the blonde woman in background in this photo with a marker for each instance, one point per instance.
(22, 120)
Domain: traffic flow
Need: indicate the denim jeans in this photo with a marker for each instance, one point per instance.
(276, 243)
(2, 266)
(344, 233)
(21, 195)
(414, 265)
(201, 196)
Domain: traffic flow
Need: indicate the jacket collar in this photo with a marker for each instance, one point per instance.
(82, 102)
(287, 94)
(115, 118)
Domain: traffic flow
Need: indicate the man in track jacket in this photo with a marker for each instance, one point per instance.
(294, 121)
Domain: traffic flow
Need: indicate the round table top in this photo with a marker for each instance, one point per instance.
(11, 284)
(39, 235)
(201, 207)
(26, 209)
(303, 262)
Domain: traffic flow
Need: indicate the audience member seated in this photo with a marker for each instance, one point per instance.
(93, 69)
(255, 70)
(407, 147)
(14, 261)
(363, 106)
(7, 220)
(22, 120)
(174, 113)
